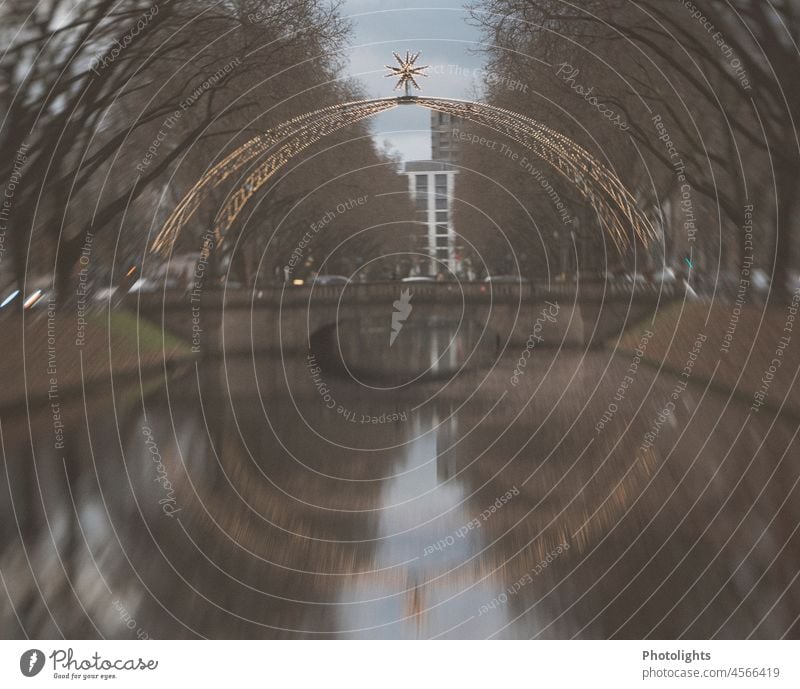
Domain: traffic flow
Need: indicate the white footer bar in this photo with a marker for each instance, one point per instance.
(371, 664)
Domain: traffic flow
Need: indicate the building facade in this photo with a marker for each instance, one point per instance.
(445, 146)
(431, 184)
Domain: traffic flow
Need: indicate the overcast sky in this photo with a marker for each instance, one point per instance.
(439, 29)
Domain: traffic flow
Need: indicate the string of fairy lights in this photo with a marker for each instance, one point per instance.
(616, 208)
(254, 163)
(280, 145)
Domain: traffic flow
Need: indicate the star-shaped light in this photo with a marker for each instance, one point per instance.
(406, 71)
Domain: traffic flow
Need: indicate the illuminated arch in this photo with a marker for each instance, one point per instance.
(616, 209)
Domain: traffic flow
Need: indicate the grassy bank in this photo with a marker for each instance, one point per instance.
(753, 353)
(49, 354)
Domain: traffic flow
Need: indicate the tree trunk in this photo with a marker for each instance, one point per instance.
(787, 202)
(68, 254)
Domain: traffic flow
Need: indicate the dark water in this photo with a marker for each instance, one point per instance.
(281, 498)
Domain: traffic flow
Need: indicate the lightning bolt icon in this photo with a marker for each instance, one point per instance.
(402, 311)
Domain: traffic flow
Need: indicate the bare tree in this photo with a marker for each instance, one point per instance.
(717, 73)
(86, 88)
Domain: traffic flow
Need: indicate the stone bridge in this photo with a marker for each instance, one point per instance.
(288, 319)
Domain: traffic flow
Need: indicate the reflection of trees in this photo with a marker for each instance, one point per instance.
(220, 575)
(236, 512)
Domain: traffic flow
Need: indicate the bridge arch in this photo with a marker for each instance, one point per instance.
(262, 156)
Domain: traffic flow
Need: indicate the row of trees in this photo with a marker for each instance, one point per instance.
(691, 102)
(110, 110)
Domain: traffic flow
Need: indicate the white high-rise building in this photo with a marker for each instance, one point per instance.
(431, 184)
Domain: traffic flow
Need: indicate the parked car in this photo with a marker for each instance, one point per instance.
(665, 275)
(506, 278)
(104, 294)
(760, 280)
(330, 280)
(143, 285)
(634, 278)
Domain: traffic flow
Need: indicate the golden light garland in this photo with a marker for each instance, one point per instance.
(615, 206)
(257, 161)
(280, 145)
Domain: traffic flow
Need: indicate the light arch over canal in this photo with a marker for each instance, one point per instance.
(254, 163)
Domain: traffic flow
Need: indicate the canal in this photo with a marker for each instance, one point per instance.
(413, 491)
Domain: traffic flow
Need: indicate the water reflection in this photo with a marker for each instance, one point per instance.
(291, 517)
(421, 349)
(416, 590)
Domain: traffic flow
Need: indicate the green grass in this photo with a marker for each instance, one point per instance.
(126, 327)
